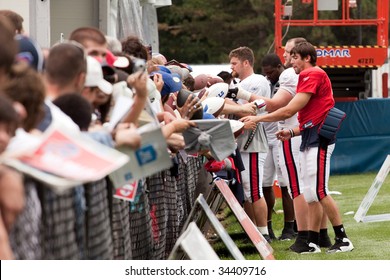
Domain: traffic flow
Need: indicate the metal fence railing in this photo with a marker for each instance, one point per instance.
(87, 222)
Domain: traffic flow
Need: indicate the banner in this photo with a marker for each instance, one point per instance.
(149, 159)
(64, 159)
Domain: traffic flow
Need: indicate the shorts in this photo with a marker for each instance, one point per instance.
(315, 163)
(290, 165)
(272, 169)
(252, 176)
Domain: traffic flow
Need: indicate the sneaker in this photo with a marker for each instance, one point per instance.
(325, 242)
(287, 235)
(267, 237)
(298, 245)
(309, 248)
(303, 247)
(341, 245)
(271, 234)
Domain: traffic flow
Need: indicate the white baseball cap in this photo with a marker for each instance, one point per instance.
(95, 76)
(154, 94)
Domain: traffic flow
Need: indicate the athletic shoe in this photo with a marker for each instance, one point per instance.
(341, 245)
(325, 241)
(298, 245)
(310, 248)
(287, 234)
(305, 248)
(268, 238)
(271, 234)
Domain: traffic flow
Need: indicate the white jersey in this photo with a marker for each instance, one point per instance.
(258, 85)
(272, 127)
(288, 81)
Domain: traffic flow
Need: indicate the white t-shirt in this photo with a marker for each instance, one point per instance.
(288, 81)
(22, 142)
(258, 85)
(272, 127)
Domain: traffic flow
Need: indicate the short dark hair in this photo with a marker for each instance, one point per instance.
(305, 49)
(84, 34)
(77, 108)
(297, 40)
(133, 46)
(65, 61)
(243, 53)
(15, 18)
(272, 60)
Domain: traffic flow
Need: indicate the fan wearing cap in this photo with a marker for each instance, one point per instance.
(30, 52)
(96, 89)
(95, 43)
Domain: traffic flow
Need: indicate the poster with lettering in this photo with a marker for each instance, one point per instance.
(149, 159)
(127, 192)
(72, 156)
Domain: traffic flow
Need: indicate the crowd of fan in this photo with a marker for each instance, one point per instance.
(75, 83)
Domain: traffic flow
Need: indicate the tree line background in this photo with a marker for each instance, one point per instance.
(204, 31)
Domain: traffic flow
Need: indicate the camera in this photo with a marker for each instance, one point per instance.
(139, 64)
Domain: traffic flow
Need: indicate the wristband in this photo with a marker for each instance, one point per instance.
(260, 105)
(292, 132)
(243, 94)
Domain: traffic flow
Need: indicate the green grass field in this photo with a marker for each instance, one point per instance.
(371, 240)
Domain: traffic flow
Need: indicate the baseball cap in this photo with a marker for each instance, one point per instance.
(30, 52)
(116, 61)
(208, 116)
(172, 82)
(237, 127)
(95, 76)
(182, 72)
(154, 94)
(164, 69)
(182, 65)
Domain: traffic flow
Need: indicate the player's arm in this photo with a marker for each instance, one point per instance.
(297, 103)
(239, 110)
(281, 98)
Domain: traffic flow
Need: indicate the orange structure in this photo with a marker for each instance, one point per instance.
(347, 65)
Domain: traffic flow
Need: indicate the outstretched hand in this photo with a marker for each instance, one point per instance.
(249, 122)
(283, 135)
(190, 107)
(248, 109)
(182, 124)
(138, 81)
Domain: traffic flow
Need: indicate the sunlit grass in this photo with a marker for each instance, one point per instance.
(371, 240)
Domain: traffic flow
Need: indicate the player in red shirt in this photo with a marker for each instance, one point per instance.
(313, 100)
